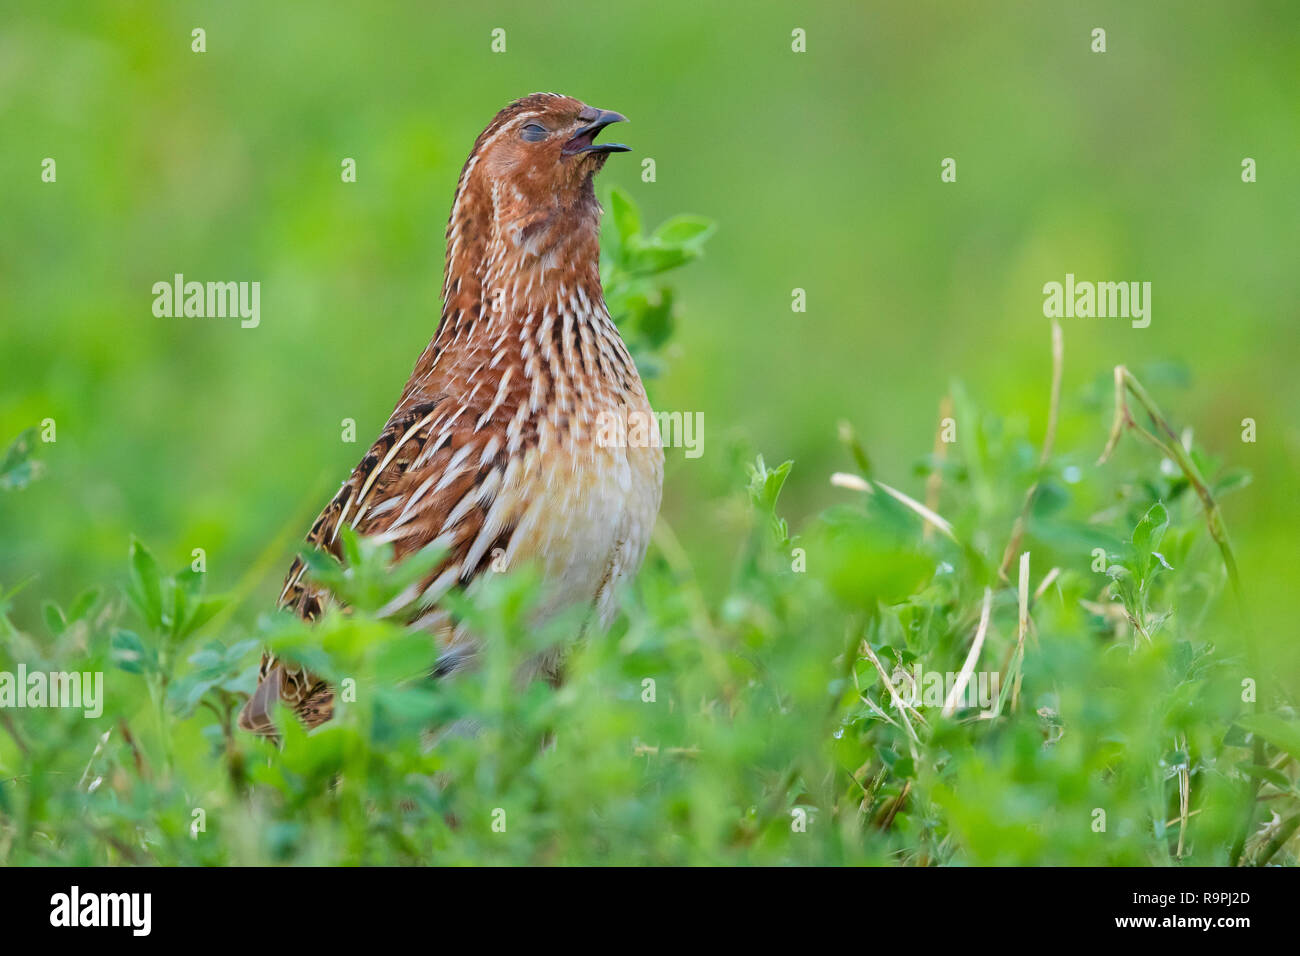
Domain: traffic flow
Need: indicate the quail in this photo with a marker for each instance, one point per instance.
(494, 451)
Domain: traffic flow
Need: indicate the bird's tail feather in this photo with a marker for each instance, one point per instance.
(256, 714)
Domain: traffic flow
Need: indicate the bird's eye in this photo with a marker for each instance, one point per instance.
(534, 133)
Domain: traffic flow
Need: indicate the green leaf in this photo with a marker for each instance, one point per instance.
(1231, 481)
(1146, 538)
(764, 488)
(1276, 777)
(17, 470)
(319, 563)
(1152, 527)
(55, 620)
(850, 441)
(652, 260)
(1282, 734)
(406, 657)
(683, 230)
(655, 322)
(201, 613)
(185, 694)
(765, 483)
(175, 607)
(145, 589)
(350, 546)
(627, 219)
(130, 653)
(83, 605)
(245, 682)
(190, 581)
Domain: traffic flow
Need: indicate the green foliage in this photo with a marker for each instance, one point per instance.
(753, 729)
(18, 468)
(631, 264)
(754, 726)
(199, 433)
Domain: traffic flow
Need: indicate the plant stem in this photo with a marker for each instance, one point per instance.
(1213, 516)
(1049, 439)
(1284, 833)
(1126, 384)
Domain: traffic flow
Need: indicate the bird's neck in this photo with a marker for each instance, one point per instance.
(522, 302)
(511, 259)
(523, 292)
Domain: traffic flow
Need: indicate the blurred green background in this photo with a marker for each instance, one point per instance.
(821, 168)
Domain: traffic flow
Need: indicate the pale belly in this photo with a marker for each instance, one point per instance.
(586, 511)
(606, 501)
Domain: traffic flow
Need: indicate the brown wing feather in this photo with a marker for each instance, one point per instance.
(431, 475)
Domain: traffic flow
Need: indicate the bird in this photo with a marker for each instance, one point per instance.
(495, 450)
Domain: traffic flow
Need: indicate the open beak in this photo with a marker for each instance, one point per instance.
(582, 140)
